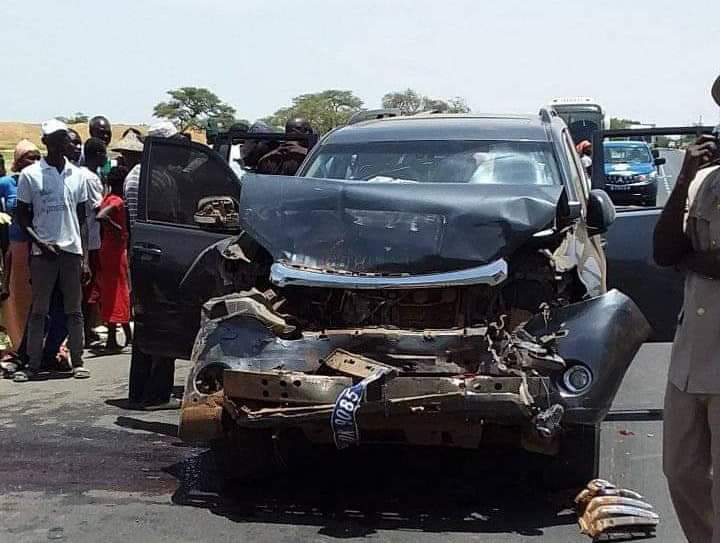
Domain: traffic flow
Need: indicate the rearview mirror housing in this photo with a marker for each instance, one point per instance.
(601, 211)
(660, 161)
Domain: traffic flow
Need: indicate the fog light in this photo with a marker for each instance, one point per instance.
(577, 379)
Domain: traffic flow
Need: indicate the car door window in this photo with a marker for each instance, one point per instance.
(578, 176)
(182, 175)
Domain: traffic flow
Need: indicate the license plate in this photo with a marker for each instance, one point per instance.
(343, 420)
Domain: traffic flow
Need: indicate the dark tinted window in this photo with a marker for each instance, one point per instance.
(180, 177)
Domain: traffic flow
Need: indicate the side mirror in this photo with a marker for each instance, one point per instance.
(601, 211)
(660, 161)
(221, 212)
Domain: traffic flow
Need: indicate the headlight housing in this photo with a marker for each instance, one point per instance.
(577, 379)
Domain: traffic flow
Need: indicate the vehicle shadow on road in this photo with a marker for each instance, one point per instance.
(357, 494)
(162, 428)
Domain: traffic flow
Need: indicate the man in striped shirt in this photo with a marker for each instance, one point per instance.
(130, 147)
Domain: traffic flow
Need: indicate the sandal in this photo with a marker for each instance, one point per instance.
(80, 372)
(23, 376)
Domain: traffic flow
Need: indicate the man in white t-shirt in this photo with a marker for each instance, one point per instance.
(51, 198)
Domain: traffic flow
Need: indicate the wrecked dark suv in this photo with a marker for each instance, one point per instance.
(429, 280)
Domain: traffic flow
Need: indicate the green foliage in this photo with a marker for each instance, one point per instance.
(191, 107)
(410, 102)
(662, 141)
(621, 124)
(324, 110)
(77, 118)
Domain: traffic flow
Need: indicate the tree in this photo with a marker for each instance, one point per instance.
(324, 110)
(457, 105)
(621, 124)
(410, 102)
(191, 107)
(77, 118)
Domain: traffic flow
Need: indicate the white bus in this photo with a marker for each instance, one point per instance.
(582, 114)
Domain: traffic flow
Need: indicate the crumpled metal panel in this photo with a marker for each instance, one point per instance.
(360, 227)
(354, 365)
(604, 509)
(290, 387)
(604, 333)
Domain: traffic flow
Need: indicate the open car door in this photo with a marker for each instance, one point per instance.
(188, 200)
(617, 168)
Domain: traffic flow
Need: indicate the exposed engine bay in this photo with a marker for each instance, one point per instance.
(499, 346)
(533, 284)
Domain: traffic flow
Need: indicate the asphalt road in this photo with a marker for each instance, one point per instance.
(77, 466)
(668, 173)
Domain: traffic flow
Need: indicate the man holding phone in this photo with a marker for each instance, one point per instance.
(51, 200)
(687, 236)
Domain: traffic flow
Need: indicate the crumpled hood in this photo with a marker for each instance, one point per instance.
(385, 228)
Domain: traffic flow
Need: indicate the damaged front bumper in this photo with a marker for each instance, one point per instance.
(250, 369)
(411, 410)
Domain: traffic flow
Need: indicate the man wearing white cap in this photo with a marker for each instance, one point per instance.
(51, 200)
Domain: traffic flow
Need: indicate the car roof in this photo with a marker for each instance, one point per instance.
(444, 127)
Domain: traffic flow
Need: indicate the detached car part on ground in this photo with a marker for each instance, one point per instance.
(440, 315)
(605, 510)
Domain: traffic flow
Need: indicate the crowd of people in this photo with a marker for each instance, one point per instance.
(65, 220)
(65, 232)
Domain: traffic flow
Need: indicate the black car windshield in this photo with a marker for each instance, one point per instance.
(491, 162)
(625, 154)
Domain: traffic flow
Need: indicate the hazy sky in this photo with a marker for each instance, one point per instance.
(652, 60)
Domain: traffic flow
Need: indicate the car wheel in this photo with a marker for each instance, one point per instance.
(649, 201)
(578, 461)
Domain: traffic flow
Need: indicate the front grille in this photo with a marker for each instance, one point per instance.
(621, 179)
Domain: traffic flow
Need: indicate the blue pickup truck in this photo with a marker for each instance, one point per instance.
(631, 172)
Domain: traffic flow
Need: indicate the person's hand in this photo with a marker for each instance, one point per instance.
(700, 153)
(5, 219)
(86, 273)
(115, 229)
(48, 249)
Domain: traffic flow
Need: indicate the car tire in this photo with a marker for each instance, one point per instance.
(578, 461)
(649, 201)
